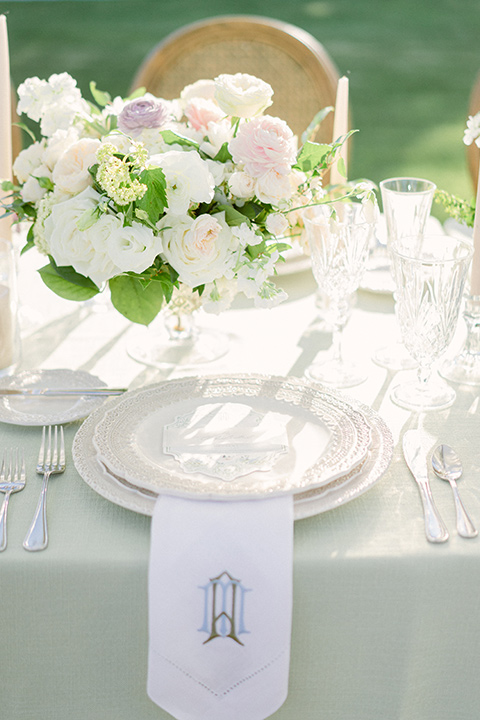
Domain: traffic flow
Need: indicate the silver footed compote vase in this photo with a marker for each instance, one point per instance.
(175, 338)
(339, 237)
(430, 274)
(407, 202)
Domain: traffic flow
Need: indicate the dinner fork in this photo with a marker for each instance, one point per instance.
(51, 461)
(12, 479)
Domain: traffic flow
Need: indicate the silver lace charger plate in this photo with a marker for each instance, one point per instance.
(306, 504)
(41, 410)
(326, 436)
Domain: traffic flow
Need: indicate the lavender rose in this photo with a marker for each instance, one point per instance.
(144, 112)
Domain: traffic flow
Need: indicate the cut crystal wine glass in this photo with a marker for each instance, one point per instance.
(430, 274)
(339, 239)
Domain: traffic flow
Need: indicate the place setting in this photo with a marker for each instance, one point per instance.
(172, 209)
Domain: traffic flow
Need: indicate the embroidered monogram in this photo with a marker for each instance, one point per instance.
(224, 608)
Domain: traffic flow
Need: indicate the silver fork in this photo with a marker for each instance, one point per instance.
(12, 479)
(51, 461)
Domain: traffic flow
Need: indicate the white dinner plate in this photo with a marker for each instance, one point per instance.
(306, 504)
(317, 436)
(36, 410)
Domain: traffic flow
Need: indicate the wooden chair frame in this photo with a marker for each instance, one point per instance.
(303, 76)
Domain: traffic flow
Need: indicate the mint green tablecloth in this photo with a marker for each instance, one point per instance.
(386, 626)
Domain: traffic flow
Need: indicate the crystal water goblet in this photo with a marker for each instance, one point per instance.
(430, 274)
(407, 202)
(339, 239)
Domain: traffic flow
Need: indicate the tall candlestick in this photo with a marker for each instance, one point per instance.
(5, 122)
(340, 127)
(475, 278)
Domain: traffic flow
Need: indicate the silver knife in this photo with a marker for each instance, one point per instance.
(62, 392)
(416, 459)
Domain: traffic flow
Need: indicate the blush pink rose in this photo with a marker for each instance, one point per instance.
(263, 144)
(200, 112)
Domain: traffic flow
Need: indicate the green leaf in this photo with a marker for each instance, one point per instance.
(341, 167)
(65, 288)
(101, 98)
(24, 127)
(136, 302)
(233, 216)
(223, 154)
(139, 92)
(7, 185)
(172, 138)
(154, 201)
(311, 155)
(316, 122)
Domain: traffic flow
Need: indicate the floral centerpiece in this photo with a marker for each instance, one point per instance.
(144, 195)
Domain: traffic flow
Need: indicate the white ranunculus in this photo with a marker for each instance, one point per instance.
(200, 250)
(70, 173)
(242, 185)
(242, 95)
(189, 180)
(276, 224)
(133, 248)
(28, 160)
(273, 187)
(80, 248)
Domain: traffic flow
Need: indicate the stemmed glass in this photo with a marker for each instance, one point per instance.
(339, 238)
(430, 274)
(407, 202)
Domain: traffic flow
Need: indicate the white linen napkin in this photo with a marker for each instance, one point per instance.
(220, 606)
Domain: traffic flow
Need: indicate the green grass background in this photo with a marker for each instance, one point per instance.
(411, 63)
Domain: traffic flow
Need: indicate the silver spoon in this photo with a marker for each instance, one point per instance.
(448, 466)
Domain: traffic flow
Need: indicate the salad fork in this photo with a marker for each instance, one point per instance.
(12, 479)
(51, 461)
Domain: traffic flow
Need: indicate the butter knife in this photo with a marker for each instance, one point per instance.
(416, 459)
(62, 392)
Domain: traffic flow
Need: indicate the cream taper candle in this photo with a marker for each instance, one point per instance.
(340, 127)
(475, 276)
(5, 122)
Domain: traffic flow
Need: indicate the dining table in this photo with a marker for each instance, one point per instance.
(386, 625)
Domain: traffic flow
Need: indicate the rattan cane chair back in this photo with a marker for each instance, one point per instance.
(294, 63)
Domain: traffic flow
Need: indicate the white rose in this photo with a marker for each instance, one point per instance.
(276, 224)
(70, 173)
(133, 248)
(200, 250)
(60, 141)
(242, 95)
(273, 187)
(242, 185)
(32, 191)
(83, 249)
(188, 177)
(28, 160)
(199, 89)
